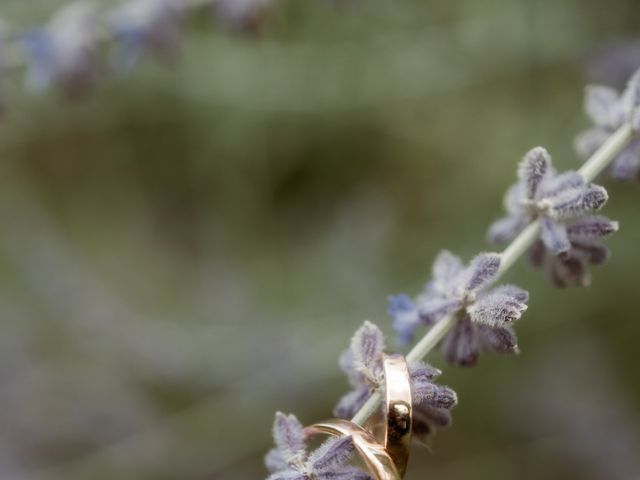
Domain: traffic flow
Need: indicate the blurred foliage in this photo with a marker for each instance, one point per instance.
(188, 249)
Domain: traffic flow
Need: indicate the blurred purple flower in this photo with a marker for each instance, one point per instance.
(608, 111)
(289, 460)
(64, 53)
(363, 364)
(145, 25)
(484, 318)
(246, 15)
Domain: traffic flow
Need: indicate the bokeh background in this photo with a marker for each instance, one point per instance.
(188, 248)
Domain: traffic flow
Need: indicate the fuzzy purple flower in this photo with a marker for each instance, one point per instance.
(563, 203)
(608, 111)
(289, 460)
(64, 53)
(363, 364)
(585, 237)
(484, 317)
(146, 25)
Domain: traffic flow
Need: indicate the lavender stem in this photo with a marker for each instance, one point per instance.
(590, 170)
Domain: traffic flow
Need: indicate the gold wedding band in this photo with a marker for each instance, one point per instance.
(374, 455)
(398, 411)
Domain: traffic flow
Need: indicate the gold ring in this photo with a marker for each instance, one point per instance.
(398, 410)
(376, 458)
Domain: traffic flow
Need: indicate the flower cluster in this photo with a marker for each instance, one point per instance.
(67, 53)
(245, 15)
(609, 111)
(145, 25)
(64, 53)
(484, 318)
(570, 235)
(289, 460)
(363, 364)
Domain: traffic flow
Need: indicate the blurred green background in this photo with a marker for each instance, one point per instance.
(189, 248)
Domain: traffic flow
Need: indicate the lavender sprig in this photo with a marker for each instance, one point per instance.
(598, 162)
(610, 111)
(363, 364)
(484, 317)
(563, 203)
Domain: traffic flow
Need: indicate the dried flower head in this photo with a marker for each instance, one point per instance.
(145, 25)
(484, 318)
(608, 111)
(363, 364)
(563, 203)
(64, 53)
(289, 460)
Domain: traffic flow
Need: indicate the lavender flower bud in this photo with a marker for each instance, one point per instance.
(367, 346)
(533, 169)
(288, 434)
(482, 271)
(592, 227)
(602, 104)
(554, 236)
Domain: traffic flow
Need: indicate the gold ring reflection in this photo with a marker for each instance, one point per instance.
(376, 458)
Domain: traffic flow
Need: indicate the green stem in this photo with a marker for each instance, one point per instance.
(590, 170)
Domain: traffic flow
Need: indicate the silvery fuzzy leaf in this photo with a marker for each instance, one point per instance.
(437, 417)
(288, 434)
(350, 403)
(575, 202)
(592, 227)
(405, 317)
(587, 142)
(533, 169)
(446, 266)
(427, 419)
(631, 94)
(561, 183)
(348, 366)
(460, 345)
(332, 455)
(506, 229)
(434, 310)
(513, 198)
(592, 251)
(519, 294)
(482, 270)
(603, 106)
(626, 165)
(429, 394)
(498, 339)
(554, 236)
(420, 371)
(274, 461)
(367, 345)
(287, 475)
(496, 309)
